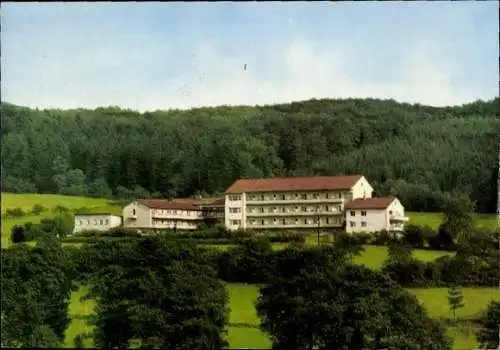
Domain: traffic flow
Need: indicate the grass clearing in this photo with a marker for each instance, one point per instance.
(435, 300)
(482, 221)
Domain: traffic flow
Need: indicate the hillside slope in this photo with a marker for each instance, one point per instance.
(412, 151)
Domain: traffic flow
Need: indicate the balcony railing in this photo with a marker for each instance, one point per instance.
(293, 200)
(285, 226)
(398, 218)
(294, 213)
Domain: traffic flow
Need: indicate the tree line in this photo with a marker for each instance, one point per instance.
(415, 152)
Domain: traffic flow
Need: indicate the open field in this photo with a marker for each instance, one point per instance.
(243, 330)
(483, 221)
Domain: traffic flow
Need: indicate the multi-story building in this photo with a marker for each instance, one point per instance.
(181, 214)
(292, 203)
(375, 214)
(96, 222)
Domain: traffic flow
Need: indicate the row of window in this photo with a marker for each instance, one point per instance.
(296, 209)
(353, 213)
(173, 223)
(303, 196)
(297, 221)
(177, 212)
(353, 223)
(95, 222)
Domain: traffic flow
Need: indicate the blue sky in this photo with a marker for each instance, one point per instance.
(150, 56)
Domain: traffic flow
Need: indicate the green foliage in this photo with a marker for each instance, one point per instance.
(457, 210)
(455, 299)
(414, 152)
(488, 335)
(15, 213)
(345, 307)
(38, 209)
(159, 294)
(36, 285)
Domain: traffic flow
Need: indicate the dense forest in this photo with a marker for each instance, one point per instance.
(413, 151)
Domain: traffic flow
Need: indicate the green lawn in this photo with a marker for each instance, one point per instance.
(485, 221)
(244, 332)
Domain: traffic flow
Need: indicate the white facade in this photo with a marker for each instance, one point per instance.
(390, 218)
(292, 209)
(137, 215)
(96, 222)
(179, 214)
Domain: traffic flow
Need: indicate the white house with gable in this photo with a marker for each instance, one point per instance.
(96, 222)
(375, 214)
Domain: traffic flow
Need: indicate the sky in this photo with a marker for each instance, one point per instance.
(150, 56)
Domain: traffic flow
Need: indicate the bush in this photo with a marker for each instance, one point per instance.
(38, 209)
(414, 236)
(15, 213)
(383, 238)
(17, 234)
(442, 241)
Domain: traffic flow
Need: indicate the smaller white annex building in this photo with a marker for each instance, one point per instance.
(375, 214)
(96, 222)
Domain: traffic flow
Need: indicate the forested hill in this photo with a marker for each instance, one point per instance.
(415, 152)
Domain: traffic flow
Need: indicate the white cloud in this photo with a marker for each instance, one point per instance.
(209, 78)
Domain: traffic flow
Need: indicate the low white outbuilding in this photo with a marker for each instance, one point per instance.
(96, 222)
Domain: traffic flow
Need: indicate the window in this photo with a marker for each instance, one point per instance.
(274, 196)
(305, 221)
(304, 196)
(390, 212)
(133, 211)
(352, 223)
(275, 209)
(304, 209)
(262, 210)
(263, 197)
(327, 220)
(327, 195)
(235, 222)
(353, 213)
(234, 210)
(101, 222)
(340, 194)
(363, 213)
(234, 198)
(363, 223)
(95, 221)
(175, 212)
(284, 222)
(327, 208)
(283, 209)
(283, 197)
(81, 222)
(88, 222)
(263, 222)
(274, 220)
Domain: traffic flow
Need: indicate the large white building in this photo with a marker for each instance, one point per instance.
(292, 203)
(181, 214)
(96, 222)
(375, 214)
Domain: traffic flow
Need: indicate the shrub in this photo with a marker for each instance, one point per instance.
(38, 209)
(383, 238)
(414, 236)
(15, 212)
(443, 240)
(17, 234)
